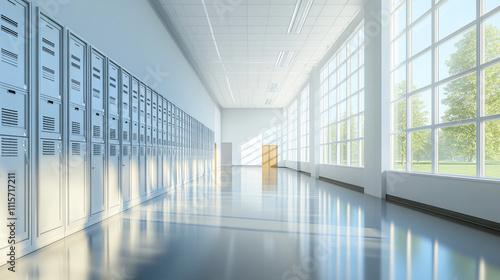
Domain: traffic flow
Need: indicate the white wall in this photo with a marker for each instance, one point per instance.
(248, 130)
(130, 33)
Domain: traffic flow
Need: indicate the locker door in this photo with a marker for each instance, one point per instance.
(77, 69)
(154, 111)
(142, 104)
(149, 133)
(160, 113)
(125, 98)
(113, 89)
(142, 134)
(125, 172)
(135, 133)
(149, 106)
(97, 126)
(113, 176)
(155, 136)
(135, 173)
(50, 206)
(149, 169)
(14, 48)
(97, 80)
(125, 132)
(77, 126)
(14, 175)
(135, 100)
(142, 170)
(50, 119)
(159, 167)
(97, 191)
(113, 124)
(50, 58)
(77, 187)
(13, 115)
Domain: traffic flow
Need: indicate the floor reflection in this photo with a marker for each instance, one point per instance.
(267, 224)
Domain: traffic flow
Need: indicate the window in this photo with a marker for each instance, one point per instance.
(292, 131)
(342, 104)
(284, 130)
(304, 125)
(445, 73)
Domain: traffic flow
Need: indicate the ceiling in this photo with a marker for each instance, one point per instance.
(234, 45)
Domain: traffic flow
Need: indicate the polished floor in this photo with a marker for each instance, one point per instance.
(254, 223)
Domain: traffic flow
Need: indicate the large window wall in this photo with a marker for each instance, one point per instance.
(304, 125)
(342, 104)
(292, 131)
(445, 77)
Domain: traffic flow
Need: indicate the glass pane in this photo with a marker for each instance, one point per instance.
(353, 44)
(492, 37)
(333, 133)
(332, 81)
(490, 5)
(492, 90)
(362, 101)
(354, 105)
(333, 114)
(421, 35)
(457, 54)
(343, 153)
(362, 152)
(421, 151)
(492, 149)
(355, 153)
(457, 150)
(362, 56)
(457, 99)
(324, 74)
(399, 20)
(333, 65)
(399, 151)
(399, 50)
(324, 154)
(342, 72)
(362, 125)
(353, 63)
(399, 82)
(324, 135)
(333, 97)
(342, 54)
(421, 108)
(342, 91)
(419, 7)
(325, 120)
(324, 88)
(343, 130)
(399, 115)
(395, 2)
(361, 77)
(354, 128)
(333, 154)
(421, 71)
(454, 14)
(354, 83)
(343, 110)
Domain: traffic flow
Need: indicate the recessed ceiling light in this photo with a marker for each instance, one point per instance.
(269, 101)
(285, 58)
(273, 87)
(299, 16)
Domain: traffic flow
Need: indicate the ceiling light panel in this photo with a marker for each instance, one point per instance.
(273, 87)
(299, 16)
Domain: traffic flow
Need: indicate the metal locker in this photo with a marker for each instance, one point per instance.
(154, 169)
(113, 174)
(125, 173)
(125, 98)
(142, 134)
(159, 167)
(77, 70)
(113, 124)
(142, 170)
(135, 133)
(97, 80)
(149, 133)
(159, 123)
(97, 187)
(154, 111)
(49, 58)
(13, 44)
(142, 103)
(14, 175)
(166, 168)
(125, 132)
(155, 136)
(97, 126)
(77, 183)
(50, 188)
(113, 105)
(77, 119)
(149, 106)
(50, 118)
(14, 112)
(135, 100)
(150, 169)
(165, 138)
(135, 173)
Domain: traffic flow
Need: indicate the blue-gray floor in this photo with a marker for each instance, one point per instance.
(250, 223)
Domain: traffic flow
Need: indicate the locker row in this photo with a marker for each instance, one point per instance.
(83, 137)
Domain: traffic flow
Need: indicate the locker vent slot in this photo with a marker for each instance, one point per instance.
(75, 65)
(51, 52)
(142, 138)
(97, 150)
(112, 79)
(125, 85)
(48, 148)
(10, 117)
(48, 42)
(125, 151)
(149, 139)
(96, 93)
(9, 31)
(112, 85)
(48, 123)
(75, 85)
(112, 134)
(76, 128)
(125, 91)
(96, 76)
(48, 73)
(96, 69)
(134, 136)
(9, 147)
(76, 149)
(125, 105)
(96, 131)
(75, 58)
(125, 135)
(8, 20)
(134, 109)
(112, 150)
(112, 100)
(9, 57)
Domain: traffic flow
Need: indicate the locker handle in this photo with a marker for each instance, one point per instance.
(11, 91)
(77, 109)
(50, 102)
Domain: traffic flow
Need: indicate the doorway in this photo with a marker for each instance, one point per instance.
(269, 156)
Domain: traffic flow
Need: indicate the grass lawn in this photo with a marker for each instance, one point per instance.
(458, 168)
